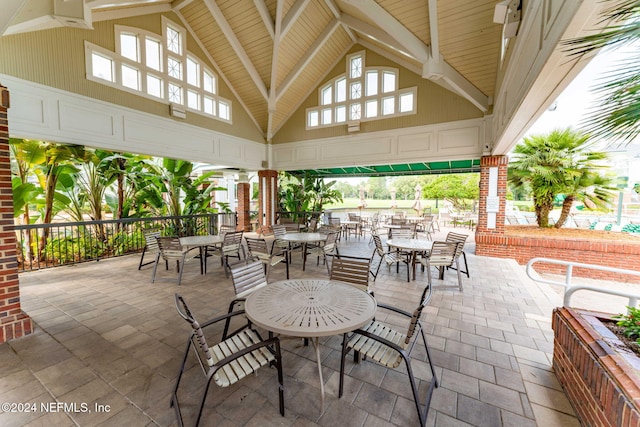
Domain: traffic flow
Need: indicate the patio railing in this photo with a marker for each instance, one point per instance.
(570, 288)
(50, 245)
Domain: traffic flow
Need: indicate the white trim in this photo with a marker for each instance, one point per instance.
(46, 113)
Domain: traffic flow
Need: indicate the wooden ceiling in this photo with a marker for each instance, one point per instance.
(275, 53)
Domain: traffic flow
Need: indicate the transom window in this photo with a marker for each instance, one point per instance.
(361, 94)
(158, 67)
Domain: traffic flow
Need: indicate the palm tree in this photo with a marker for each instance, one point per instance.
(617, 118)
(559, 163)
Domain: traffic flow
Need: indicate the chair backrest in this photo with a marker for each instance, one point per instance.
(378, 243)
(224, 229)
(169, 246)
(326, 229)
(352, 270)
(257, 246)
(330, 243)
(401, 233)
(198, 335)
(279, 231)
(247, 276)
(150, 236)
(443, 253)
(424, 300)
(313, 224)
(232, 241)
(398, 221)
(458, 238)
(334, 221)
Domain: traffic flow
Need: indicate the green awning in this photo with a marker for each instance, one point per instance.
(423, 168)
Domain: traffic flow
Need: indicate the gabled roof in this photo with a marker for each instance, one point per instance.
(274, 54)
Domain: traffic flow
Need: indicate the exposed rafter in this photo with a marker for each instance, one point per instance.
(304, 61)
(237, 47)
(10, 9)
(271, 104)
(434, 67)
(261, 7)
(292, 15)
(374, 33)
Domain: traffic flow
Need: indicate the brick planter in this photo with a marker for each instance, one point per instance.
(610, 253)
(600, 376)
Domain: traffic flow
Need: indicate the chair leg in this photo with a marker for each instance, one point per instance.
(180, 269)
(144, 250)
(155, 268)
(459, 275)
(344, 355)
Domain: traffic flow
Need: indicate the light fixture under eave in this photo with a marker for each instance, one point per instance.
(353, 126)
(178, 111)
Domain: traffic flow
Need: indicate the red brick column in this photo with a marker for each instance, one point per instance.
(244, 206)
(14, 323)
(268, 197)
(491, 214)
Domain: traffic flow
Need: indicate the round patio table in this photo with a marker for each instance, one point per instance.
(310, 308)
(303, 239)
(201, 242)
(414, 246)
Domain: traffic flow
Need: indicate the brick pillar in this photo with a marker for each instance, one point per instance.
(268, 197)
(14, 323)
(244, 206)
(491, 214)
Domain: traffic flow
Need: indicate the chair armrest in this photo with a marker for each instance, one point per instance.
(263, 343)
(394, 309)
(221, 318)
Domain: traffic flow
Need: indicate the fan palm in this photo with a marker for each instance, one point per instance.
(559, 163)
(617, 118)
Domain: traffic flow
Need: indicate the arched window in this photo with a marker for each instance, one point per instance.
(158, 67)
(361, 94)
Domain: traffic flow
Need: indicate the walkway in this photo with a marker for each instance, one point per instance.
(105, 335)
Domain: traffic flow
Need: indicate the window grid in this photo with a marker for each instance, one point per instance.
(361, 94)
(158, 67)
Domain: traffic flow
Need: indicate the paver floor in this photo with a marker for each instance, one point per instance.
(108, 343)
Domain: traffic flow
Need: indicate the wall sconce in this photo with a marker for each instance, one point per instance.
(353, 126)
(178, 111)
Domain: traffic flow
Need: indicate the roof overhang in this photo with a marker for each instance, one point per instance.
(422, 168)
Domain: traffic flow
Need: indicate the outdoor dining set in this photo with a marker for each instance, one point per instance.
(264, 313)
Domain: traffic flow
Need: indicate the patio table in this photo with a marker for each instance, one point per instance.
(304, 239)
(310, 308)
(201, 242)
(414, 246)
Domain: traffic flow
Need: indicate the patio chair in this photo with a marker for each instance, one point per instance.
(459, 238)
(390, 348)
(169, 248)
(352, 270)
(443, 254)
(150, 246)
(258, 248)
(246, 276)
(328, 247)
(389, 258)
(231, 247)
(405, 232)
(225, 228)
(228, 361)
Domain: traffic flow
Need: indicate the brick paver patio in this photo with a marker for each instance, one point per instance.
(108, 345)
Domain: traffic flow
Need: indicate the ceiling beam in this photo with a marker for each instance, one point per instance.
(98, 15)
(417, 69)
(277, 37)
(433, 29)
(237, 47)
(395, 29)
(433, 67)
(304, 61)
(217, 68)
(374, 33)
(294, 13)
(10, 9)
(337, 13)
(266, 16)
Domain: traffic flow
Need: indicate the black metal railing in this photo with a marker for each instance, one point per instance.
(50, 245)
